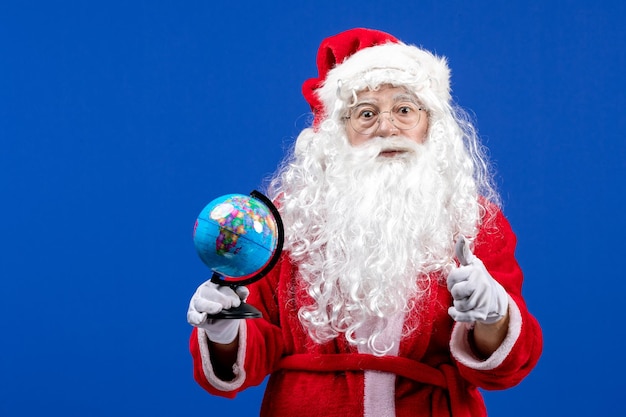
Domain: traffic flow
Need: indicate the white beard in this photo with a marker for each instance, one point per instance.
(366, 247)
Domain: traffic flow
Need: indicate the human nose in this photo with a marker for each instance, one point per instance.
(386, 127)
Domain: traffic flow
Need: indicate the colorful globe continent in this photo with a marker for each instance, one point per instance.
(235, 235)
(236, 217)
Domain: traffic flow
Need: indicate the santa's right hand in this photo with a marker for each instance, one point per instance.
(210, 299)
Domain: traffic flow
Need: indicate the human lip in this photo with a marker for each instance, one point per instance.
(390, 153)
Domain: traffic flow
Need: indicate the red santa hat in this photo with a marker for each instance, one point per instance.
(360, 58)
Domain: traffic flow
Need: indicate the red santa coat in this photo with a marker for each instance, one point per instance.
(434, 373)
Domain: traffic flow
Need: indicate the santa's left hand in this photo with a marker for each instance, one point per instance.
(477, 296)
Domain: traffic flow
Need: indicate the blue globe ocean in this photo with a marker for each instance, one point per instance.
(236, 236)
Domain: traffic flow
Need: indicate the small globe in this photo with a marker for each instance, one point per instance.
(236, 236)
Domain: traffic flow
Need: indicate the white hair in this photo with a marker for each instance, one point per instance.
(370, 236)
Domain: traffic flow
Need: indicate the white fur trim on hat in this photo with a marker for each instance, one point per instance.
(399, 64)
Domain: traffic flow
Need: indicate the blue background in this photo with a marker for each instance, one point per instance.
(120, 120)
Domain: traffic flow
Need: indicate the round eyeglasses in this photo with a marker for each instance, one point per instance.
(365, 119)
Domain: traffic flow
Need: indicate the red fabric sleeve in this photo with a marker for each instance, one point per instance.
(495, 246)
(262, 341)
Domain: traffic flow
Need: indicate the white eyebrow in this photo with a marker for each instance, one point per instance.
(395, 99)
(405, 97)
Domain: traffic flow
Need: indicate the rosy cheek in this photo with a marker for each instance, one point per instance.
(354, 139)
(360, 140)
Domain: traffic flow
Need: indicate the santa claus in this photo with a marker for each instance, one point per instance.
(398, 293)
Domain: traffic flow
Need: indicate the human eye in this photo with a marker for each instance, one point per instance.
(406, 109)
(366, 113)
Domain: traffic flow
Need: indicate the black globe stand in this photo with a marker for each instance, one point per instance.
(246, 311)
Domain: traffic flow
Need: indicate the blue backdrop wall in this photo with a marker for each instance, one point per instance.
(120, 120)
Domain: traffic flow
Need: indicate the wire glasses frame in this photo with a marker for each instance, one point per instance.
(365, 119)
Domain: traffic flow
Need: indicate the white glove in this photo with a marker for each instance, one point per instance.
(477, 296)
(210, 299)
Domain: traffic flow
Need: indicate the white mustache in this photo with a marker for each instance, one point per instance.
(394, 142)
(375, 146)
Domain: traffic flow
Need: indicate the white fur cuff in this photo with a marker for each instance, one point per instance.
(238, 369)
(462, 351)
